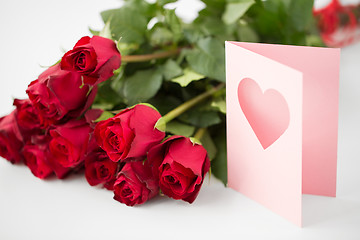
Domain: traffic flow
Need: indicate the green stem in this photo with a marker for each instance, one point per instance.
(161, 124)
(190, 103)
(200, 133)
(148, 57)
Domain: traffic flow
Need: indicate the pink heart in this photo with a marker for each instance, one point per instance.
(267, 113)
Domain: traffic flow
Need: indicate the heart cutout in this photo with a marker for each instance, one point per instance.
(267, 113)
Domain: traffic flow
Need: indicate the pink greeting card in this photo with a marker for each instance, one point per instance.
(282, 122)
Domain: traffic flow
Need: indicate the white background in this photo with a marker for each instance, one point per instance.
(32, 34)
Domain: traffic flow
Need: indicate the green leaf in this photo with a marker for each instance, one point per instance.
(179, 128)
(211, 26)
(219, 163)
(148, 105)
(102, 105)
(142, 86)
(220, 105)
(127, 48)
(214, 5)
(246, 33)
(259, 2)
(314, 40)
(195, 141)
(174, 24)
(142, 7)
(269, 20)
(163, 2)
(192, 35)
(236, 10)
(171, 69)
(208, 58)
(200, 118)
(93, 32)
(126, 23)
(104, 116)
(165, 102)
(300, 12)
(188, 77)
(106, 32)
(161, 124)
(209, 145)
(117, 81)
(161, 36)
(107, 95)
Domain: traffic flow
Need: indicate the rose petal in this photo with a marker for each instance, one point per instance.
(188, 155)
(66, 86)
(11, 139)
(108, 57)
(146, 135)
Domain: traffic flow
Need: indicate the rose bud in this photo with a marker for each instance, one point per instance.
(36, 156)
(135, 184)
(95, 58)
(57, 93)
(27, 117)
(100, 169)
(11, 139)
(69, 143)
(129, 134)
(180, 166)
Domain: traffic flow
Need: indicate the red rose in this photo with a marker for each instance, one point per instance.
(327, 17)
(69, 143)
(57, 93)
(95, 58)
(11, 139)
(180, 166)
(130, 134)
(27, 117)
(36, 156)
(135, 184)
(100, 169)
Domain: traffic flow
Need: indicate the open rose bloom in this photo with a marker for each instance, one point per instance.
(130, 134)
(180, 166)
(99, 169)
(135, 184)
(95, 58)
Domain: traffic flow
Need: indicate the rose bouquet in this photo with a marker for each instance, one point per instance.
(54, 131)
(152, 120)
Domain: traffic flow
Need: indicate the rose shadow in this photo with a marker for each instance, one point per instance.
(71, 176)
(212, 193)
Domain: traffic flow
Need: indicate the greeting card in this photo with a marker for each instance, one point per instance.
(282, 122)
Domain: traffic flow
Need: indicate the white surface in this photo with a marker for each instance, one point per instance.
(32, 34)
